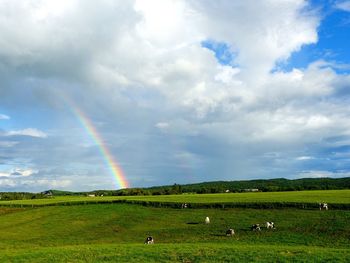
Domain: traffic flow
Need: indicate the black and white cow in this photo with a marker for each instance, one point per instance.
(184, 206)
(270, 225)
(149, 240)
(230, 232)
(323, 206)
(255, 227)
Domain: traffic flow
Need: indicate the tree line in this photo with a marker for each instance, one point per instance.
(268, 185)
(6, 196)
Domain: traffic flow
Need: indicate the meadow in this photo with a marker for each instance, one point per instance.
(115, 232)
(307, 197)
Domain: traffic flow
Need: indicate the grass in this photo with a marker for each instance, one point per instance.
(177, 253)
(329, 196)
(116, 232)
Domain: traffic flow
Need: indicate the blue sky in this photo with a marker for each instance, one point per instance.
(333, 33)
(180, 91)
(333, 43)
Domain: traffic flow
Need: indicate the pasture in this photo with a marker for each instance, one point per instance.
(115, 233)
(330, 196)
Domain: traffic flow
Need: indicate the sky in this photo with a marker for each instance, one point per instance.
(112, 94)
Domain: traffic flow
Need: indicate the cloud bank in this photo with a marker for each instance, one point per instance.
(170, 109)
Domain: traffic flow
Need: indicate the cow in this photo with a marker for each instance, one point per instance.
(270, 225)
(323, 206)
(149, 240)
(230, 232)
(207, 220)
(255, 227)
(184, 206)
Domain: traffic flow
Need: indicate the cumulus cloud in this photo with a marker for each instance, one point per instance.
(279, 27)
(139, 67)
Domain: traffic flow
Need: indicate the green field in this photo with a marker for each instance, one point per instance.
(116, 232)
(329, 196)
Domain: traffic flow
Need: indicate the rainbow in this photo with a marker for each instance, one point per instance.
(114, 167)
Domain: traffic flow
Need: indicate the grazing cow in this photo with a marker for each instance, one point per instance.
(230, 232)
(207, 220)
(323, 206)
(184, 206)
(255, 227)
(149, 240)
(270, 225)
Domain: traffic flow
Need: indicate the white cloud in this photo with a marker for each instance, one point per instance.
(227, 75)
(316, 81)
(304, 158)
(8, 183)
(343, 5)
(4, 117)
(167, 23)
(4, 174)
(162, 125)
(23, 172)
(53, 184)
(156, 44)
(19, 172)
(130, 64)
(321, 174)
(27, 132)
(279, 27)
(37, 184)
